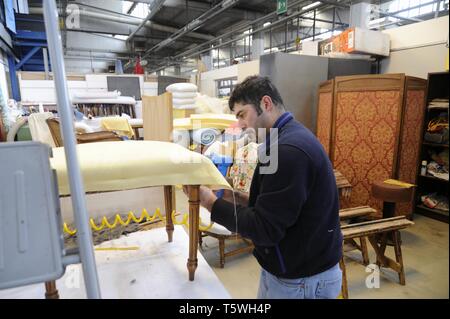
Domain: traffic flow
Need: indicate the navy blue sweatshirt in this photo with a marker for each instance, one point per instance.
(293, 214)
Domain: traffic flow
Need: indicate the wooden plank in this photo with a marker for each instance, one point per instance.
(341, 181)
(157, 114)
(371, 228)
(375, 221)
(360, 211)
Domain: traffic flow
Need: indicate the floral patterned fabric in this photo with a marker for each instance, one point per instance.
(244, 166)
(366, 126)
(324, 120)
(409, 152)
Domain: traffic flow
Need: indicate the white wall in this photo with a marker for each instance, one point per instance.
(418, 48)
(247, 69)
(208, 85)
(208, 79)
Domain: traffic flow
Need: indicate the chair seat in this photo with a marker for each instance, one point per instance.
(391, 193)
(205, 221)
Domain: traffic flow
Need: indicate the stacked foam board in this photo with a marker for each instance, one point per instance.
(184, 95)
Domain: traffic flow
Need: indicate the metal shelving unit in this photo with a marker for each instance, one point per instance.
(438, 87)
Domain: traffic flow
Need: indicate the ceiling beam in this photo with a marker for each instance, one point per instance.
(153, 10)
(193, 25)
(132, 8)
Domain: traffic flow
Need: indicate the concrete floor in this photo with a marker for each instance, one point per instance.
(425, 251)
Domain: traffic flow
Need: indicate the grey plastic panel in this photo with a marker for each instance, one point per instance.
(31, 239)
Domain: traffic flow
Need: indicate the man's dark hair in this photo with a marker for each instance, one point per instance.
(252, 90)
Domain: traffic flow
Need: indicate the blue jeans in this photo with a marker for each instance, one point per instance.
(326, 285)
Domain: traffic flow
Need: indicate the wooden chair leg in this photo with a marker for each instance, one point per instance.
(194, 212)
(222, 252)
(364, 251)
(398, 257)
(50, 290)
(169, 201)
(344, 289)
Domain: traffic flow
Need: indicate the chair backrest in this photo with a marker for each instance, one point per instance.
(39, 129)
(53, 125)
(2, 132)
(103, 136)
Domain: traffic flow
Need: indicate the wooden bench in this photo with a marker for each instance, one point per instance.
(350, 244)
(377, 232)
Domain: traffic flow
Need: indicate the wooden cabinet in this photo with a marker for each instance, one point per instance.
(371, 126)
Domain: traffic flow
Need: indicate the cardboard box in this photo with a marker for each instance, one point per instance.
(359, 40)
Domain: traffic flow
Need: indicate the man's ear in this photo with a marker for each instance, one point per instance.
(267, 103)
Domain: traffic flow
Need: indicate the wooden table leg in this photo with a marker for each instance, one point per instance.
(50, 290)
(398, 257)
(364, 251)
(169, 201)
(344, 290)
(194, 210)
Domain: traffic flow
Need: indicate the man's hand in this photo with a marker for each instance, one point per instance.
(207, 197)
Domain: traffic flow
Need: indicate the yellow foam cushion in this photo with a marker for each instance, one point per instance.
(112, 166)
(197, 121)
(119, 125)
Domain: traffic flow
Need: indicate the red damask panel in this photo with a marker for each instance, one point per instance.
(410, 138)
(324, 119)
(365, 140)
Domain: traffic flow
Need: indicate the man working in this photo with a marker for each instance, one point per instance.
(292, 214)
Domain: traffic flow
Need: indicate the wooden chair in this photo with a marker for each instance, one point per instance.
(222, 238)
(51, 291)
(222, 234)
(373, 230)
(102, 136)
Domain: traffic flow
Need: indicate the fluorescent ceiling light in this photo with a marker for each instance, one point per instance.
(377, 21)
(312, 5)
(121, 37)
(382, 21)
(267, 24)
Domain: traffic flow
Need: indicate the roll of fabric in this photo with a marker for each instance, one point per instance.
(184, 95)
(181, 102)
(205, 136)
(182, 87)
(97, 95)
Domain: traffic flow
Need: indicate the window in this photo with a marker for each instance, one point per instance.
(225, 87)
(413, 8)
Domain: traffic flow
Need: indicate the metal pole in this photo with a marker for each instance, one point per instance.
(153, 9)
(314, 26)
(84, 235)
(285, 37)
(44, 53)
(436, 13)
(334, 20)
(13, 78)
(218, 58)
(270, 43)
